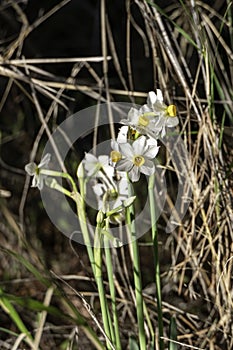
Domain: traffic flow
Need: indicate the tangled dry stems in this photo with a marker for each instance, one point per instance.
(200, 250)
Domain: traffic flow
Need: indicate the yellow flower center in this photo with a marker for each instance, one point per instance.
(115, 156)
(143, 120)
(138, 160)
(171, 111)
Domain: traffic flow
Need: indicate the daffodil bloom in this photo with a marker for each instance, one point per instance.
(97, 166)
(112, 199)
(137, 157)
(156, 104)
(36, 171)
(165, 115)
(142, 120)
(112, 196)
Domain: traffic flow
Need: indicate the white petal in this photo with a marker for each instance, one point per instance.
(152, 152)
(80, 170)
(116, 203)
(159, 121)
(109, 170)
(45, 161)
(124, 165)
(35, 181)
(133, 115)
(148, 168)
(159, 95)
(145, 109)
(122, 135)
(152, 142)
(90, 158)
(172, 121)
(98, 189)
(90, 167)
(100, 204)
(163, 132)
(40, 182)
(123, 187)
(31, 168)
(114, 145)
(157, 125)
(139, 145)
(134, 174)
(153, 133)
(125, 122)
(160, 108)
(103, 160)
(151, 99)
(90, 163)
(127, 150)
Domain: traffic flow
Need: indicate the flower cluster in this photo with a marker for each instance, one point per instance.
(133, 153)
(153, 117)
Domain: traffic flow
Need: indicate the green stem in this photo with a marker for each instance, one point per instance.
(100, 285)
(81, 212)
(55, 186)
(156, 257)
(137, 273)
(80, 204)
(112, 290)
(54, 173)
(96, 256)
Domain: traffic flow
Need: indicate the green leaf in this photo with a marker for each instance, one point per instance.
(173, 334)
(29, 266)
(178, 28)
(34, 305)
(8, 331)
(133, 345)
(7, 306)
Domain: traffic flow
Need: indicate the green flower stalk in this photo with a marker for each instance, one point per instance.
(137, 273)
(98, 244)
(156, 257)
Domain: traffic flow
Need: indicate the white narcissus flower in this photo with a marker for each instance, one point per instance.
(165, 115)
(113, 199)
(35, 170)
(142, 120)
(137, 157)
(113, 196)
(155, 103)
(98, 167)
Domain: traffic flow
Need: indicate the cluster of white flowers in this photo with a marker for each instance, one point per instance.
(133, 152)
(153, 117)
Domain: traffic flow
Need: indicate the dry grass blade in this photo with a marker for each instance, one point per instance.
(42, 318)
(27, 61)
